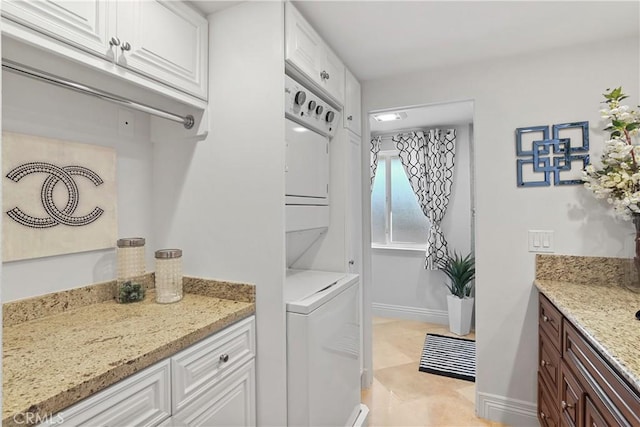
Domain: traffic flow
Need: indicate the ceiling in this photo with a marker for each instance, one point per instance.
(449, 114)
(376, 39)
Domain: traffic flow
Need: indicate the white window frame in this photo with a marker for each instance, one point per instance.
(386, 156)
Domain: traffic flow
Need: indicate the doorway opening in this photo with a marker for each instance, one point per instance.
(406, 300)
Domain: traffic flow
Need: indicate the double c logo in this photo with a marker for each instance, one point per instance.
(56, 215)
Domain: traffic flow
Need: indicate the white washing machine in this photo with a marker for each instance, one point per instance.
(323, 341)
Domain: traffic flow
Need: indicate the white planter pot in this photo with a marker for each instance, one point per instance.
(460, 310)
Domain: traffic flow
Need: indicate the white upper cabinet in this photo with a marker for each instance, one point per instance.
(352, 117)
(309, 55)
(87, 25)
(165, 41)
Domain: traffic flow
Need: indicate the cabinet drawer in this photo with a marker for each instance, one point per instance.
(550, 321)
(199, 368)
(600, 377)
(230, 403)
(549, 364)
(143, 399)
(547, 410)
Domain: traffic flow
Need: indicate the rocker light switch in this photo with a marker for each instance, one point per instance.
(541, 241)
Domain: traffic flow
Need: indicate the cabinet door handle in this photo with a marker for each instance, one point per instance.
(351, 262)
(543, 363)
(350, 118)
(324, 75)
(566, 405)
(114, 41)
(125, 47)
(543, 415)
(545, 318)
(224, 358)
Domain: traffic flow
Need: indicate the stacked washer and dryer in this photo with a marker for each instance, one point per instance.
(323, 320)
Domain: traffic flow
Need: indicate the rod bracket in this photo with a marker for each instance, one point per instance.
(189, 121)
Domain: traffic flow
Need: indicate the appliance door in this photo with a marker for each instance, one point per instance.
(307, 165)
(323, 363)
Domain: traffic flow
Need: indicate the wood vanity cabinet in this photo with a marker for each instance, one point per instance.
(576, 385)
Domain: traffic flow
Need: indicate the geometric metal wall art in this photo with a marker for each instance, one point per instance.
(543, 153)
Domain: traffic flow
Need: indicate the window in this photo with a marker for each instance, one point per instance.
(397, 220)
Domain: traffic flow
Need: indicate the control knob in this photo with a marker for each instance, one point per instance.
(330, 116)
(319, 109)
(312, 105)
(300, 97)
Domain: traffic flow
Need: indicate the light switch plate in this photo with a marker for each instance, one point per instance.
(541, 241)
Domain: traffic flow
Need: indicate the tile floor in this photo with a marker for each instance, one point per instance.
(403, 396)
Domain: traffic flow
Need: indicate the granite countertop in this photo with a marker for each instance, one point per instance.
(599, 307)
(52, 361)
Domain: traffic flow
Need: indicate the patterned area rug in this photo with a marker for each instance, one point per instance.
(449, 356)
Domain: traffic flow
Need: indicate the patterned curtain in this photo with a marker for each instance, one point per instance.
(428, 163)
(375, 149)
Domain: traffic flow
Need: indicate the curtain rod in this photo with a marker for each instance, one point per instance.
(14, 67)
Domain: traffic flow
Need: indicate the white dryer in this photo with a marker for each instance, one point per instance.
(323, 341)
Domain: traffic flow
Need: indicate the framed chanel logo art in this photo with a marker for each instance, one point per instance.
(59, 197)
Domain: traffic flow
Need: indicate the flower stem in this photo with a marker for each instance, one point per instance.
(633, 155)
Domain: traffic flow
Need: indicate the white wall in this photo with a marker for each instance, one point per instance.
(550, 87)
(222, 199)
(401, 287)
(36, 108)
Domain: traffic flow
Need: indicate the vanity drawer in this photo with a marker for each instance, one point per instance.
(547, 412)
(550, 321)
(600, 378)
(199, 368)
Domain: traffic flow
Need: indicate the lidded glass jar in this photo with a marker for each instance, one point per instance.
(131, 268)
(168, 275)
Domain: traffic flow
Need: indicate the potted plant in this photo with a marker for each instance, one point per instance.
(461, 272)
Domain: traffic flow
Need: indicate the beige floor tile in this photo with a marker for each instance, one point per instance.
(403, 396)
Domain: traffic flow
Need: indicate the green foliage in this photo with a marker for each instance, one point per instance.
(130, 292)
(461, 271)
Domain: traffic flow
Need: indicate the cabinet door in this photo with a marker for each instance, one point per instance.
(87, 25)
(596, 418)
(571, 397)
(231, 403)
(167, 41)
(352, 116)
(304, 47)
(354, 205)
(143, 399)
(332, 75)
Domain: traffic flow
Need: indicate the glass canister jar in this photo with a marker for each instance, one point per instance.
(131, 268)
(168, 275)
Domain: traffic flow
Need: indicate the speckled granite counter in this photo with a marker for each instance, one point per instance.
(587, 292)
(54, 360)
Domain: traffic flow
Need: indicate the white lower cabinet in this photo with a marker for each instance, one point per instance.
(211, 383)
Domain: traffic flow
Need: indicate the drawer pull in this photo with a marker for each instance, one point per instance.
(566, 405)
(224, 358)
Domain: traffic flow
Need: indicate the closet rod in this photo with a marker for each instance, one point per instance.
(14, 67)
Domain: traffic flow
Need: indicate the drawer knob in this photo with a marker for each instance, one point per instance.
(543, 363)
(566, 405)
(125, 47)
(114, 41)
(324, 75)
(224, 358)
(545, 319)
(543, 415)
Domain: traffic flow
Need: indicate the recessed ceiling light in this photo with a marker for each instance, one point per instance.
(387, 117)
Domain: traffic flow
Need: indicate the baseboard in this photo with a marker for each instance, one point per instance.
(511, 412)
(410, 313)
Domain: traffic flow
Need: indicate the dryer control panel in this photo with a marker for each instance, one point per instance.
(309, 110)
